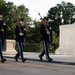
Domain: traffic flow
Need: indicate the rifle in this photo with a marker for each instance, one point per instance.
(40, 16)
(48, 32)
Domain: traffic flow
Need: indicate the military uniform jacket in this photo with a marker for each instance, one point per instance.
(20, 32)
(44, 35)
(2, 30)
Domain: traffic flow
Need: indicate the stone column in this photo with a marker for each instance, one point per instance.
(10, 46)
(66, 40)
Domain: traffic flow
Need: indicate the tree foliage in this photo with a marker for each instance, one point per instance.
(33, 34)
(12, 13)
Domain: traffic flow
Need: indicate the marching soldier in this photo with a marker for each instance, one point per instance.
(2, 36)
(20, 33)
(46, 37)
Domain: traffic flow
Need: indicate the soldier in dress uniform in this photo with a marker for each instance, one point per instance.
(2, 36)
(46, 37)
(20, 33)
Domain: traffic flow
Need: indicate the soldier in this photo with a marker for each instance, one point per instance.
(2, 36)
(46, 37)
(20, 33)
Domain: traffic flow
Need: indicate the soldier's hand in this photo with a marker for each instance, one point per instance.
(21, 34)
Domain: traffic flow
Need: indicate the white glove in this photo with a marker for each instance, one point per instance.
(21, 34)
(48, 32)
(4, 24)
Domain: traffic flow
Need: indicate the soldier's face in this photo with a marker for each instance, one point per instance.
(1, 16)
(21, 22)
(46, 21)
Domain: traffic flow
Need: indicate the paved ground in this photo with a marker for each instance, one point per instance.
(61, 65)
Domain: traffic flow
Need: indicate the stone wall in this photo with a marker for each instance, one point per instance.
(66, 40)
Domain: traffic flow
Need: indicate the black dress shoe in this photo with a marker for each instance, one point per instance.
(49, 59)
(40, 57)
(23, 60)
(3, 60)
(16, 59)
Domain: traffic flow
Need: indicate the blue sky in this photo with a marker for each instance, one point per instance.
(41, 6)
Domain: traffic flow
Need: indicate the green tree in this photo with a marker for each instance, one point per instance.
(61, 14)
(12, 13)
(33, 34)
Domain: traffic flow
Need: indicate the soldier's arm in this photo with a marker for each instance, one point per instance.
(24, 32)
(42, 30)
(5, 29)
(51, 34)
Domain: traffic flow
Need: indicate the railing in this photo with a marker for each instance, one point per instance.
(31, 47)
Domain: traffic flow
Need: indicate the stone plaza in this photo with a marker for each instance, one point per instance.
(61, 65)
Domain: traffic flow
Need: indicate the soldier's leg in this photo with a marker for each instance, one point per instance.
(3, 44)
(47, 44)
(21, 50)
(43, 52)
(43, 46)
(18, 53)
(2, 59)
(47, 51)
(1, 49)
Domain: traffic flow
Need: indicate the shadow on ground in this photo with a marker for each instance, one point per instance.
(52, 62)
